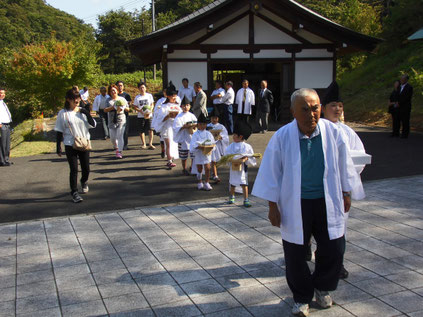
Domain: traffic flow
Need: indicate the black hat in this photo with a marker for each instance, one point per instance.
(170, 91)
(242, 128)
(202, 119)
(215, 112)
(185, 101)
(332, 94)
(171, 86)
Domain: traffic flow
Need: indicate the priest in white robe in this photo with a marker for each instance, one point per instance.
(245, 100)
(307, 176)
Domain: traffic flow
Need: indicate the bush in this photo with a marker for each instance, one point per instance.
(131, 79)
(40, 74)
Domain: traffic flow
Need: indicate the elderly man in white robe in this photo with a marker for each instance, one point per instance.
(307, 176)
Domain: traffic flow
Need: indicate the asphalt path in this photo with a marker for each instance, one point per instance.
(37, 186)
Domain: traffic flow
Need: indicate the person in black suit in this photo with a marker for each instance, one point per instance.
(265, 102)
(394, 109)
(404, 101)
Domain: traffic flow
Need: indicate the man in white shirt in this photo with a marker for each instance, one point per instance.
(98, 106)
(217, 97)
(5, 121)
(144, 104)
(307, 175)
(187, 92)
(84, 98)
(228, 101)
(245, 100)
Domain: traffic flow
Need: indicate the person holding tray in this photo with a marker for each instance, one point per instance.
(184, 127)
(238, 175)
(221, 138)
(166, 115)
(202, 144)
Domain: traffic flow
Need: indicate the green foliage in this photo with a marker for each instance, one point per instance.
(30, 21)
(366, 89)
(131, 79)
(403, 19)
(40, 74)
(180, 8)
(114, 29)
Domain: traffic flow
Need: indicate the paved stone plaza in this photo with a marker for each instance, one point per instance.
(208, 258)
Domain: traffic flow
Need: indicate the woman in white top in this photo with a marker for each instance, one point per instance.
(116, 111)
(72, 122)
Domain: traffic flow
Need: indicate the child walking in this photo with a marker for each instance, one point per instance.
(182, 129)
(239, 178)
(199, 139)
(222, 141)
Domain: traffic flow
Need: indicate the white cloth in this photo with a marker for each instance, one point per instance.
(220, 92)
(5, 116)
(156, 112)
(229, 97)
(180, 135)
(100, 102)
(354, 143)
(121, 118)
(188, 92)
(166, 127)
(221, 145)
(84, 94)
(141, 101)
(178, 100)
(78, 123)
(238, 178)
(199, 137)
(116, 137)
(279, 178)
(250, 100)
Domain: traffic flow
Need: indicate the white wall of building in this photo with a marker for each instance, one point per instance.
(314, 53)
(229, 54)
(236, 33)
(273, 54)
(186, 54)
(264, 33)
(194, 71)
(313, 74)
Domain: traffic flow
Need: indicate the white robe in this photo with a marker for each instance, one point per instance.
(156, 112)
(221, 145)
(166, 128)
(250, 100)
(279, 178)
(180, 135)
(354, 143)
(238, 178)
(199, 137)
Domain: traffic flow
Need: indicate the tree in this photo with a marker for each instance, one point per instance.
(41, 73)
(114, 29)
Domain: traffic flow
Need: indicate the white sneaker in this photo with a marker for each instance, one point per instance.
(300, 309)
(207, 187)
(200, 186)
(323, 298)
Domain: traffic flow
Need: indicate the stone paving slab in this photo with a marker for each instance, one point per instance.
(206, 258)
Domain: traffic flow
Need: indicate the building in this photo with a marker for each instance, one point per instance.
(277, 40)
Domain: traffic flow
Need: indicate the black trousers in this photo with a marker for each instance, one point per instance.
(84, 159)
(4, 143)
(396, 122)
(126, 131)
(104, 121)
(329, 254)
(405, 121)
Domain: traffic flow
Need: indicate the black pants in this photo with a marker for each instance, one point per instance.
(104, 121)
(396, 122)
(126, 131)
(84, 159)
(262, 120)
(4, 144)
(405, 121)
(329, 254)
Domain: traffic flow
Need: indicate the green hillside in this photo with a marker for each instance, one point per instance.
(366, 89)
(28, 21)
